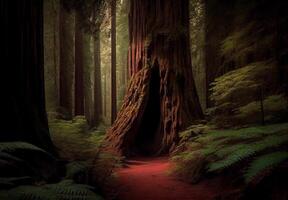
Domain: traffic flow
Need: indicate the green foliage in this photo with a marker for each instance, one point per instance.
(234, 150)
(10, 182)
(190, 166)
(252, 22)
(237, 95)
(246, 133)
(66, 190)
(247, 78)
(249, 67)
(10, 147)
(275, 108)
(73, 139)
(37, 170)
(264, 162)
(230, 155)
(75, 169)
(21, 159)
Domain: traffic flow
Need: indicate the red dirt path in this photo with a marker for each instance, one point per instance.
(148, 179)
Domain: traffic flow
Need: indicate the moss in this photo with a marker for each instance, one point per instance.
(73, 139)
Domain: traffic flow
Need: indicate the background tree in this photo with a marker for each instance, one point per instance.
(51, 54)
(67, 62)
(197, 13)
(122, 29)
(98, 111)
(113, 62)
(79, 68)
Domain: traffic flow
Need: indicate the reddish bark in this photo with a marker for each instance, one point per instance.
(159, 39)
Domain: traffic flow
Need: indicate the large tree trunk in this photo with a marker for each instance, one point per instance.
(67, 61)
(162, 98)
(23, 102)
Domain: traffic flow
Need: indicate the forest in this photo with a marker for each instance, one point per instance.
(144, 100)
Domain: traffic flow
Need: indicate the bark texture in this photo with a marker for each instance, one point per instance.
(159, 40)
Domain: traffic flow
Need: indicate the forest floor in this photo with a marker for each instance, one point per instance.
(149, 179)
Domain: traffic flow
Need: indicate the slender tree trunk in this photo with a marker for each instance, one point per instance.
(97, 80)
(67, 62)
(159, 57)
(113, 62)
(51, 54)
(87, 69)
(197, 38)
(23, 105)
(79, 82)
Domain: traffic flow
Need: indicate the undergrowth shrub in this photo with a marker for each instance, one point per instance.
(238, 95)
(29, 172)
(66, 190)
(254, 152)
(73, 139)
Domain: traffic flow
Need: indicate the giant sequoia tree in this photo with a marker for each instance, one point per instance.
(161, 98)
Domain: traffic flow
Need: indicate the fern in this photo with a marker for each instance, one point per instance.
(230, 160)
(7, 156)
(75, 168)
(264, 162)
(9, 182)
(265, 143)
(10, 147)
(31, 192)
(237, 153)
(250, 132)
(65, 190)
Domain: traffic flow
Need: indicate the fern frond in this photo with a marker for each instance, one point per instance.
(31, 193)
(233, 154)
(249, 132)
(10, 147)
(264, 162)
(65, 190)
(75, 168)
(68, 190)
(230, 160)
